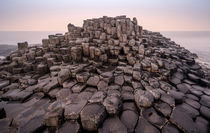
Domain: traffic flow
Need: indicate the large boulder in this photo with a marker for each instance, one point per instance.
(143, 98)
(63, 75)
(92, 116)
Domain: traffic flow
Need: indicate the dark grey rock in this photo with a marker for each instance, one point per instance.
(205, 111)
(205, 100)
(193, 103)
(102, 85)
(62, 94)
(53, 83)
(2, 113)
(113, 104)
(189, 110)
(127, 96)
(98, 97)
(4, 84)
(169, 128)
(119, 80)
(92, 116)
(143, 98)
(193, 97)
(193, 77)
(202, 125)
(131, 122)
(152, 116)
(17, 95)
(93, 81)
(69, 127)
(129, 106)
(5, 125)
(175, 80)
(168, 99)
(63, 75)
(178, 96)
(72, 110)
(183, 87)
(53, 118)
(144, 126)
(113, 125)
(163, 108)
(36, 124)
(196, 92)
(78, 87)
(183, 121)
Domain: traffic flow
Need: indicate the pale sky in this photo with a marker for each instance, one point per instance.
(54, 15)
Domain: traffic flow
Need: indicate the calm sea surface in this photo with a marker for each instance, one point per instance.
(196, 42)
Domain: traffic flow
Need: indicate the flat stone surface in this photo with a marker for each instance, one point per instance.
(151, 115)
(129, 106)
(33, 125)
(113, 125)
(193, 77)
(193, 103)
(63, 75)
(53, 92)
(102, 85)
(183, 121)
(163, 108)
(4, 125)
(4, 84)
(175, 80)
(17, 95)
(93, 81)
(143, 98)
(98, 97)
(78, 87)
(168, 99)
(144, 126)
(72, 110)
(205, 100)
(193, 97)
(169, 128)
(53, 117)
(69, 84)
(183, 87)
(119, 80)
(127, 96)
(178, 96)
(51, 85)
(131, 122)
(189, 110)
(205, 111)
(196, 92)
(92, 116)
(113, 104)
(202, 125)
(69, 127)
(63, 94)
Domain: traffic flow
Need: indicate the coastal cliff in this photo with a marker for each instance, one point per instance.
(108, 76)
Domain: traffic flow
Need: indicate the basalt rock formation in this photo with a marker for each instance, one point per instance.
(109, 76)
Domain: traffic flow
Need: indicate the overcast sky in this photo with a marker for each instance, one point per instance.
(54, 15)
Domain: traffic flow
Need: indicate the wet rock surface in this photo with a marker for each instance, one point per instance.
(108, 76)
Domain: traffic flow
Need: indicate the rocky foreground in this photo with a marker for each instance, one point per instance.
(109, 76)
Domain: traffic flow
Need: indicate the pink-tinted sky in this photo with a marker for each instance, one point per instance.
(54, 15)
